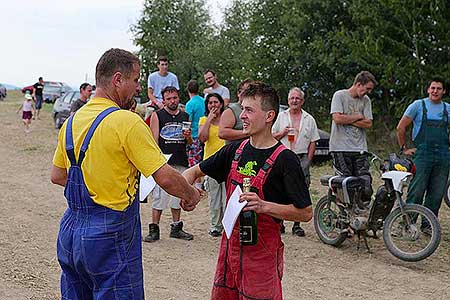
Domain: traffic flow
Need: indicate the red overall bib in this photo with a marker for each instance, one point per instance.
(250, 272)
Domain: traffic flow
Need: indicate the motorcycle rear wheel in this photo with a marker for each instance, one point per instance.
(412, 242)
(326, 215)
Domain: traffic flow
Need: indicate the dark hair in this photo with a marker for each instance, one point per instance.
(168, 89)
(437, 79)
(162, 58)
(209, 96)
(266, 94)
(192, 86)
(209, 71)
(112, 61)
(40, 78)
(244, 82)
(83, 86)
(364, 77)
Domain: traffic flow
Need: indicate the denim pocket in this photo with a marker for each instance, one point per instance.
(101, 254)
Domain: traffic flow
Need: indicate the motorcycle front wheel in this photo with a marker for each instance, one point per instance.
(413, 235)
(327, 216)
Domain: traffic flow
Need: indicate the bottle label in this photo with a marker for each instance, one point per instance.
(246, 233)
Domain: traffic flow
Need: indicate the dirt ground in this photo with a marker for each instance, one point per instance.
(32, 208)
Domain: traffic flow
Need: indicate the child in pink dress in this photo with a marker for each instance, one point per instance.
(27, 108)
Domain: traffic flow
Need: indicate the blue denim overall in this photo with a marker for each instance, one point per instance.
(432, 162)
(99, 249)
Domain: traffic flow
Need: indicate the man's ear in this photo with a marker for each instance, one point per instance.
(270, 116)
(116, 79)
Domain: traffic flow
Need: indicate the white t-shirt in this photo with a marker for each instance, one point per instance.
(221, 90)
(307, 132)
(157, 83)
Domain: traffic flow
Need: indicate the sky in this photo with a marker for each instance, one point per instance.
(63, 40)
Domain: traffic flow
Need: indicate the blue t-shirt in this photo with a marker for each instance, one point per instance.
(196, 109)
(158, 83)
(415, 112)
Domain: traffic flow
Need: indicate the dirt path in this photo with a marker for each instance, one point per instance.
(32, 207)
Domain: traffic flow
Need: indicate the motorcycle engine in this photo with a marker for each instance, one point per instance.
(358, 223)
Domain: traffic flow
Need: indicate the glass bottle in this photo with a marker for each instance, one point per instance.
(248, 229)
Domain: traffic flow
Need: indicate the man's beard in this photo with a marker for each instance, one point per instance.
(172, 108)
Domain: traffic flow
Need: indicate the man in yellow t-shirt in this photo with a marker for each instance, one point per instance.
(101, 150)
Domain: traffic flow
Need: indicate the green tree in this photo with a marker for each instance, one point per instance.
(179, 29)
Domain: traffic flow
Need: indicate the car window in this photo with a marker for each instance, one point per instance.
(61, 100)
(68, 98)
(75, 96)
(52, 89)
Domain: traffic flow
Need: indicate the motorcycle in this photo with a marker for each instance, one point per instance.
(411, 232)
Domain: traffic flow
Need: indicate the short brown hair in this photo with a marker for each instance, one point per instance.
(244, 82)
(168, 89)
(162, 58)
(112, 61)
(437, 79)
(364, 77)
(192, 86)
(268, 95)
(209, 71)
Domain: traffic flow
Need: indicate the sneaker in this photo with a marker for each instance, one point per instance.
(177, 232)
(153, 233)
(215, 233)
(297, 230)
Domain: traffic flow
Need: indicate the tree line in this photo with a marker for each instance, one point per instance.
(317, 45)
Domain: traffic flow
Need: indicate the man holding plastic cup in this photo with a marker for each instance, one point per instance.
(172, 129)
(297, 130)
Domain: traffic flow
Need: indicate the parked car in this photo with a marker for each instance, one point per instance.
(53, 90)
(3, 92)
(28, 89)
(322, 145)
(61, 108)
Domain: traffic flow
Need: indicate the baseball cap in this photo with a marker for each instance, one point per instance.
(28, 97)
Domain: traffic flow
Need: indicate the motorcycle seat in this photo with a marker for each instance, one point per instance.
(337, 181)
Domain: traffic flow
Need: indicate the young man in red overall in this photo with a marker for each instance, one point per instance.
(278, 193)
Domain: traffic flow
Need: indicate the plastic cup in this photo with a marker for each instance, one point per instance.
(291, 135)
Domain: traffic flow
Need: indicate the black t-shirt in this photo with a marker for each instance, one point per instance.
(38, 88)
(285, 183)
(171, 139)
(76, 105)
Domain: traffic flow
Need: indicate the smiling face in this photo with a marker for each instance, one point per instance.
(210, 79)
(436, 91)
(254, 118)
(295, 100)
(163, 67)
(213, 102)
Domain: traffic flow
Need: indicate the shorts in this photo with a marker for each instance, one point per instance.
(38, 102)
(26, 115)
(194, 152)
(162, 199)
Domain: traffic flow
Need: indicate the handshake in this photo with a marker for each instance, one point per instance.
(190, 203)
